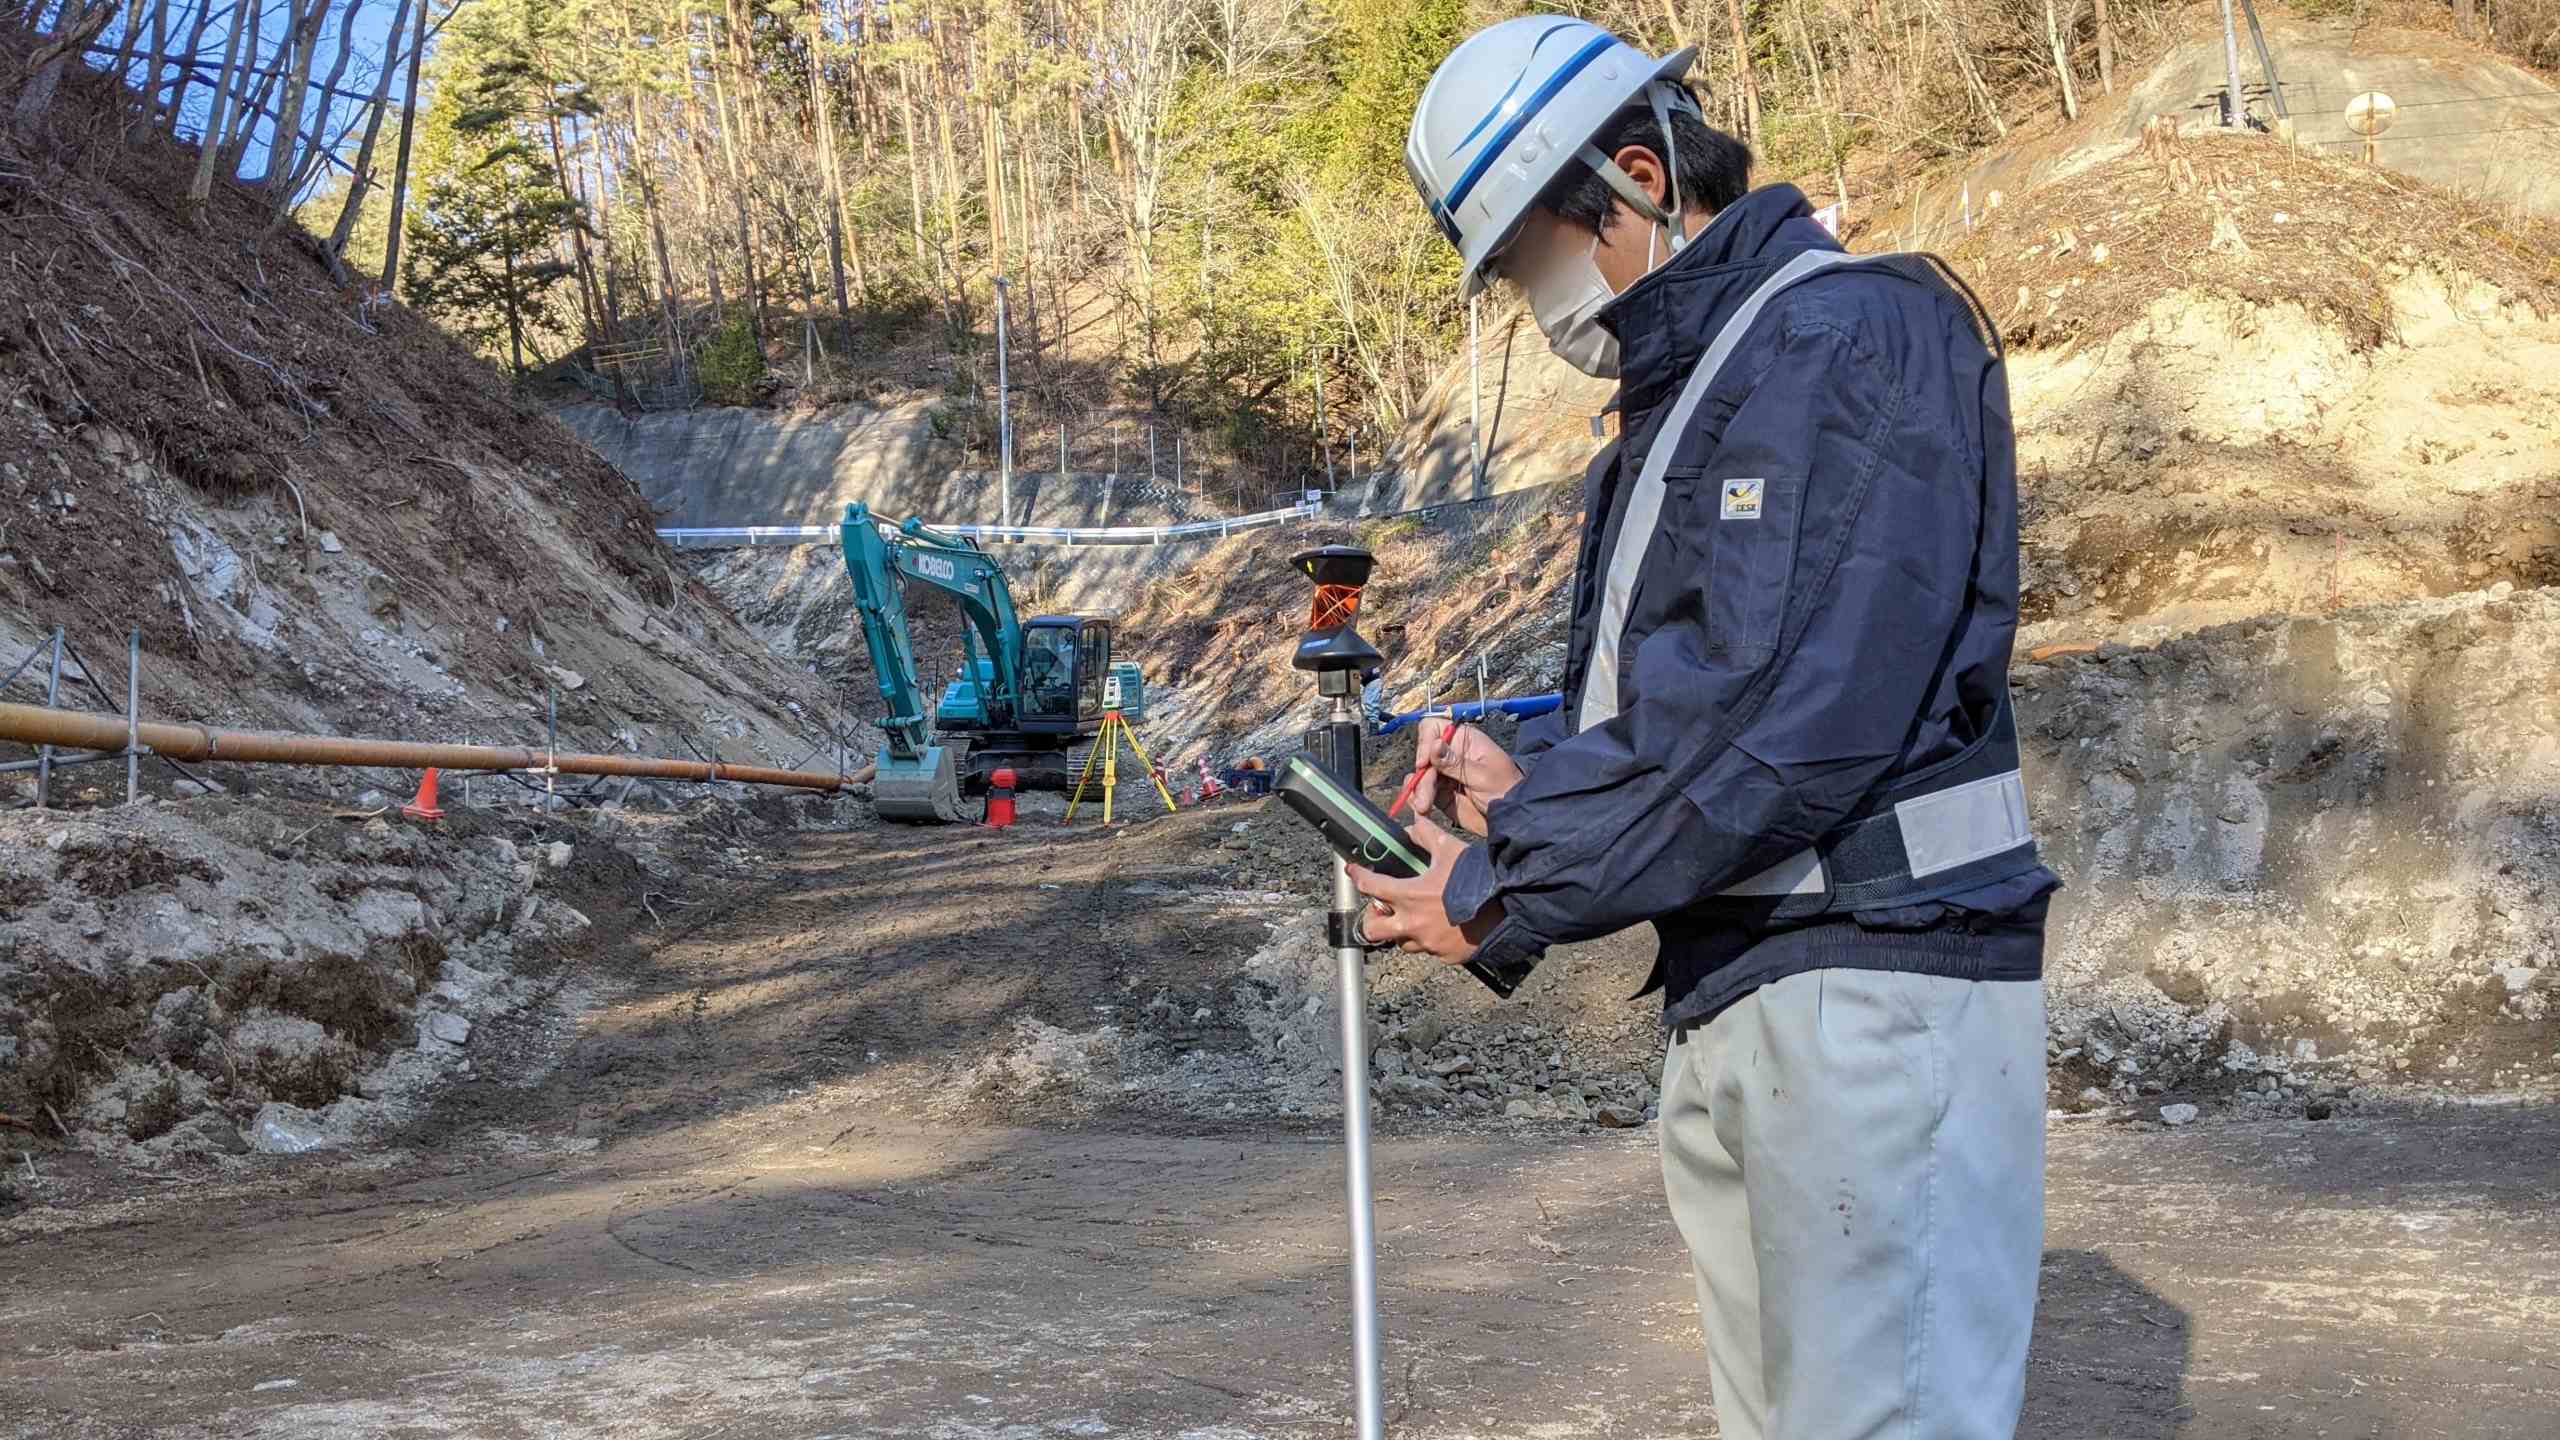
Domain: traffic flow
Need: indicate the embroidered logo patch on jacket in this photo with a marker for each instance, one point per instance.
(1742, 499)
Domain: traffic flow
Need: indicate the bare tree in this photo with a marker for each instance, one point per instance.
(151, 66)
(1251, 37)
(301, 40)
(186, 57)
(209, 145)
(400, 172)
(831, 169)
(1375, 254)
(1749, 84)
(2106, 49)
(2054, 31)
(360, 179)
(234, 138)
(1141, 59)
(1821, 104)
(81, 24)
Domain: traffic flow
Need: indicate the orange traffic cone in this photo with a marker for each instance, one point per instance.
(424, 807)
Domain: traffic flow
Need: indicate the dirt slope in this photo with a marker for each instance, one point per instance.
(2249, 381)
(320, 514)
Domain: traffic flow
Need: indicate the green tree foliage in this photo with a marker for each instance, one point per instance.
(1383, 56)
(483, 234)
(372, 232)
(731, 369)
(491, 219)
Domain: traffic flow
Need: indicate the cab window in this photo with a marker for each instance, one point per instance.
(1049, 672)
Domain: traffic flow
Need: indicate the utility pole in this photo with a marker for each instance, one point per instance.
(1321, 431)
(2266, 60)
(1004, 414)
(2231, 107)
(1475, 404)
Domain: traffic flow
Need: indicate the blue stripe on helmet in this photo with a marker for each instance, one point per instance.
(1550, 33)
(1528, 111)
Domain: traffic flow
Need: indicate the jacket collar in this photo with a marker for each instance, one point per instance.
(1666, 320)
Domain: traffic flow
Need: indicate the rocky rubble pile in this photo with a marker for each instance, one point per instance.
(196, 980)
(1523, 1071)
(1266, 1041)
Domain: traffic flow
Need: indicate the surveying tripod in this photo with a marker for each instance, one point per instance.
(1106, 748)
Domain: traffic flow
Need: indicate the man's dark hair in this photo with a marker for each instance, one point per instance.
(1715, 168)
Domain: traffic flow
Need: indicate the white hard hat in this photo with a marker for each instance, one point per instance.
(1510, 107)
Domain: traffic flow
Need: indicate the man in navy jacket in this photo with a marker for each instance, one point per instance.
(1785, 742)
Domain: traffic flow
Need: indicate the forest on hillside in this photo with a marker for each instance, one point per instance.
(1198, 208)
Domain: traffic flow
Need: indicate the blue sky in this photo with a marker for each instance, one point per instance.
(371, 25)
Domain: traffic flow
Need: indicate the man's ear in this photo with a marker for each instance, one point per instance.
(1647, 170)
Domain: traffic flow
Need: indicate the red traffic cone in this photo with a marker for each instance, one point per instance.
(424, 807)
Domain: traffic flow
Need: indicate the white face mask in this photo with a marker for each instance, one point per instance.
(1568, 297)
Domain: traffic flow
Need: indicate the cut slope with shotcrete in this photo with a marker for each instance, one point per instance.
(736, 466)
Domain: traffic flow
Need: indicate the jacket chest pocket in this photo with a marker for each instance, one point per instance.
(1737, 541)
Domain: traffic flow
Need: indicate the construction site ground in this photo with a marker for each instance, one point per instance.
(788, 1168)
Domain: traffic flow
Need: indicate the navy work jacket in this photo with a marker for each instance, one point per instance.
(1776, 674)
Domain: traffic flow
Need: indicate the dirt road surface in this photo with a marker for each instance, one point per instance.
(732, 1197)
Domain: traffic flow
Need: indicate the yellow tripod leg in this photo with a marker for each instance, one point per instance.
(1110, 762)
(1146, 760)
(1082, 776)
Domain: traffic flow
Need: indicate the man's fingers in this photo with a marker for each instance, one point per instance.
(1385, 888)
(1432, 741)
(1382, 925)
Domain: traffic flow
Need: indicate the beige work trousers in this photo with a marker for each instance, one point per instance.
(1856, 1159)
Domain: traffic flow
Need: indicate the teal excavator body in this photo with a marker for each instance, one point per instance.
(1029, 696)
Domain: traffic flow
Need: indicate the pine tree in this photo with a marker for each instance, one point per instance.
(484, 237)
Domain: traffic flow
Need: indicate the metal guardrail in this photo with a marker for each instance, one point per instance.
(727, 536)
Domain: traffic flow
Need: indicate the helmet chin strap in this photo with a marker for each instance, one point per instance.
(1664, 99)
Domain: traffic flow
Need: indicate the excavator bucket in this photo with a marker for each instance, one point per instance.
(925, 789)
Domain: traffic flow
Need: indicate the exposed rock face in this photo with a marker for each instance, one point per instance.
(2314, 846)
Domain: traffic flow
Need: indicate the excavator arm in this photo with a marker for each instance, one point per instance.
(960, 569)
(918, 779)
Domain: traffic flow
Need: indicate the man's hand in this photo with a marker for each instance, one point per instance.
(1410, 914)
(1463, 773)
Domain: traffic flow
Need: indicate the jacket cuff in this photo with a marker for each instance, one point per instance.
(1510, 944)
(1470, 886)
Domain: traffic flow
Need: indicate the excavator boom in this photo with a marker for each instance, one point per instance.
(1035, 693)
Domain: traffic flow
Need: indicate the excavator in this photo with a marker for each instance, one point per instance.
(1030, 694)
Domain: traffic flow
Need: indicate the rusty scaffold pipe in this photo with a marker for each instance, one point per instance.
(36, 725)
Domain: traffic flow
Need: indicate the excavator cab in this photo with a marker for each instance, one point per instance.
(1065, 659)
